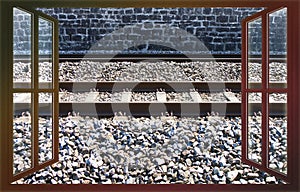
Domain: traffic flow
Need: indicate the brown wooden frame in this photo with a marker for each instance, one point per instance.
(34, 90)
(293, 90)
(265, 90)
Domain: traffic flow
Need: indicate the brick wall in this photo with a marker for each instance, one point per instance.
(150, 30)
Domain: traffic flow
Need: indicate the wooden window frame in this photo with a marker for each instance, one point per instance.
(293, 59)
(265, 90)
(34, 90)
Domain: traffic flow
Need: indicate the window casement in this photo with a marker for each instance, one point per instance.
(259, 32)
(34, 115)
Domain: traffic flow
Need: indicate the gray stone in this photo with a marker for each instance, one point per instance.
(232, 175)
(130, 180)
(216, 171)
(159, 161)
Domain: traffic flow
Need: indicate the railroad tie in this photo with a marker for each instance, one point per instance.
(161, 96)
(231, 97)
(195, 96)
(91, 98)
(126, 97)
(25, 98)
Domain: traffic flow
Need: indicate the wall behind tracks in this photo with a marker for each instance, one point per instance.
(149, 30)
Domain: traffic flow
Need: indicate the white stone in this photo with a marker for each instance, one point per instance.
(188, 162)
(197, 151)
(75, 182)
(160, 161)
(270, 179)
(252, 175)
(107, 182)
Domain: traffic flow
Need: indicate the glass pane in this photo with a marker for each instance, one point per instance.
(45, 53)
(278, 98)
(278, 47)
(22, 132)
(45, 127)
(22, 49)
(254, 70)
(278, 134)
(254, 127)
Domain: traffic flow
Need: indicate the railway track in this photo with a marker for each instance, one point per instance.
(196, 106)
(151, 86)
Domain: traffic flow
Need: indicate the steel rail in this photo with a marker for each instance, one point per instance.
(108, 109)
(168, 86)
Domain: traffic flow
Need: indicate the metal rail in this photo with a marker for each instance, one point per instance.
(145, 57)
(156, 109)
(108, 109)
(92, 107)
(152, 86)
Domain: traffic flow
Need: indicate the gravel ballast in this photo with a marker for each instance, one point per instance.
(151, 71)
(156, 150)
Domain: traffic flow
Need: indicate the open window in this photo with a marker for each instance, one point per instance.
(260, 111)
(23, 103)
(34, 142)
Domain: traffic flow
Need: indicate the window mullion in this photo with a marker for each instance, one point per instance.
(56, 91)
(36, 91)
(264, 91)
